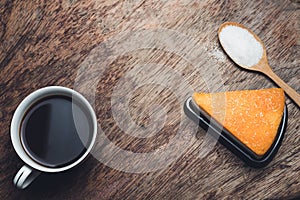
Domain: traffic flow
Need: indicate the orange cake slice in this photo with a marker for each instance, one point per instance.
(252, 116)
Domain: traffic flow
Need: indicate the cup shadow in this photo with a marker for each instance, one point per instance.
(51, 185)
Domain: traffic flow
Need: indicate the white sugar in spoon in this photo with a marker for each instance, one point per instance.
(248, 51)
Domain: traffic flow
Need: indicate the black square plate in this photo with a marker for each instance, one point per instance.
(199, 116)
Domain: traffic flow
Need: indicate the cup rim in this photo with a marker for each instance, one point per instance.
(21, 111)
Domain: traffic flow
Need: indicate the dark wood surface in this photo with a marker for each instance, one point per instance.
(46, 43)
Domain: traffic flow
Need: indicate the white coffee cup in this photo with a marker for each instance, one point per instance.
(32, 168)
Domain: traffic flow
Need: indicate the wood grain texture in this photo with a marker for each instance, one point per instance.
(45, 43)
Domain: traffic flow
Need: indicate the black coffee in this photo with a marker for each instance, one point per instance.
(55, 131)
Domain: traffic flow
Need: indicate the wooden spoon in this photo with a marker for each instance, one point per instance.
(262, 65)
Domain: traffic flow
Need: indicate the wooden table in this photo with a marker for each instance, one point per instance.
(136, 62)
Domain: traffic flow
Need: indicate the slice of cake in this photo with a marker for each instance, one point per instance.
(252, 116)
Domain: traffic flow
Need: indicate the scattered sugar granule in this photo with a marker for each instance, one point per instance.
(241, 45)
(217, 54)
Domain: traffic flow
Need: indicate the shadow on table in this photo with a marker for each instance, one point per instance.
(49, 185)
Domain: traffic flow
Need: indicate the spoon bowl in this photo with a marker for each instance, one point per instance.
(261, 62)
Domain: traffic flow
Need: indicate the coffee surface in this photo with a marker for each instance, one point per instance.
(56, 131)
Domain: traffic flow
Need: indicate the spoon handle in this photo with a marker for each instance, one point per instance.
(288, 90)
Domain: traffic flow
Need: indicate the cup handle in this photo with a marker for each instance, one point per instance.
(25, 176)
